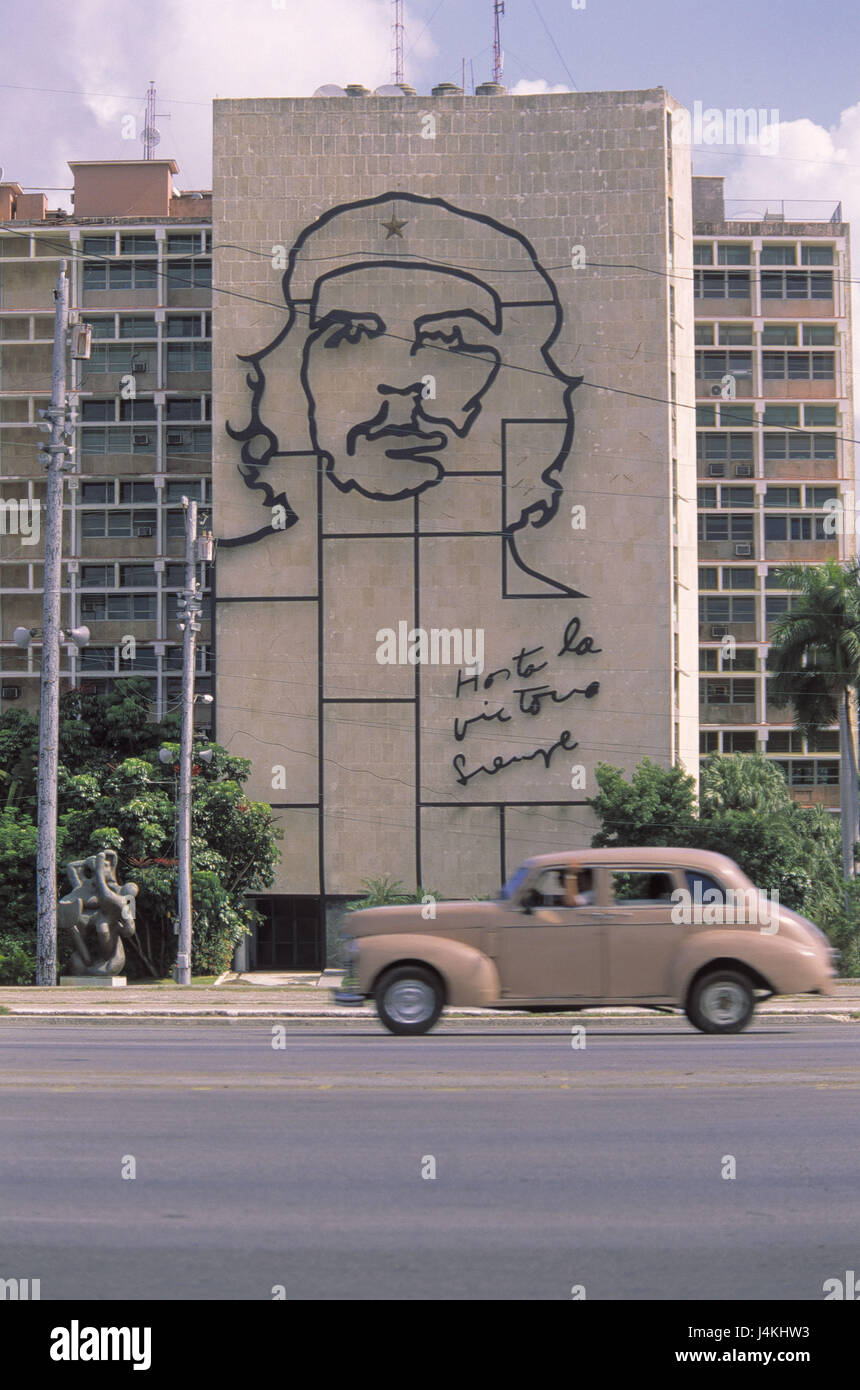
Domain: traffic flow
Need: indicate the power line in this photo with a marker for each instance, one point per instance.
(558, 51)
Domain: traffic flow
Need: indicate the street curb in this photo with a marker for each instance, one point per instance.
(363, 1014)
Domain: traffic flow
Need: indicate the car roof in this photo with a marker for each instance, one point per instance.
(650, 856)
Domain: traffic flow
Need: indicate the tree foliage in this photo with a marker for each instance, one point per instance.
(114, 793)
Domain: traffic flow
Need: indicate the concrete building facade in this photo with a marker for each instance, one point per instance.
(776, 458)
(453, 482)
(139, 265)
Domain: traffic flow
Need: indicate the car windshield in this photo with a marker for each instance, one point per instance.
(508, 889)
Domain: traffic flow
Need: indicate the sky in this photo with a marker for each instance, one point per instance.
(73, 74)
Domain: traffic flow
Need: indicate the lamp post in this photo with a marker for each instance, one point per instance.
(53, 637)
(182, 969)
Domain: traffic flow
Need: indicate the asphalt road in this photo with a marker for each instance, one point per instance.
(302, 1166)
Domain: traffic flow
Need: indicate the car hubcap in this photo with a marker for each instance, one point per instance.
(724, 1002)
(409, 1001)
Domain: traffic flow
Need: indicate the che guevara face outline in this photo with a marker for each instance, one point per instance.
(386, 358)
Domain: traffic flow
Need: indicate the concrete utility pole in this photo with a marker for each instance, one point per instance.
(190, 610)
(49, 689)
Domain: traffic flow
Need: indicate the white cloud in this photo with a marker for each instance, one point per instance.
(538, 87)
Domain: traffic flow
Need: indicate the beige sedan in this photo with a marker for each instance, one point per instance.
(648, 927)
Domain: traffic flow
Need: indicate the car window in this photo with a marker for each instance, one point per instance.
(508, 889)
(565, 886)
(706, 883)
(641, 886)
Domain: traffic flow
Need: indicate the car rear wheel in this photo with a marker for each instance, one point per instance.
(409, 999)
(721, 1001)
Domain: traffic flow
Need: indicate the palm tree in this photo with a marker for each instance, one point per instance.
(815, 658)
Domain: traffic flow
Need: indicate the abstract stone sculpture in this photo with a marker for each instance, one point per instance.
(98, 913)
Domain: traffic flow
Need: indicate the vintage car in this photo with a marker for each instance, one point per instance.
(653, 928)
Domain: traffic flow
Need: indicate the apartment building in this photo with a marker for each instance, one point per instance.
(139, 264)
(772, 288)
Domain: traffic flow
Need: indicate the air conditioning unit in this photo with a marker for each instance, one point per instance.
(10, 692)
(716, 470)
(716, 389)
(139, 368)
(144, 531)
(719, 631)
(176, 437)
(141, 439)
(743, 470)
(743, 548)
(718, 692)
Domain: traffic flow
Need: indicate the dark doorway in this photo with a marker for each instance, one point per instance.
(289, 935)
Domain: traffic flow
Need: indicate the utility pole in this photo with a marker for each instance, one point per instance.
(54, 457)
(189, 608)
(397, 44)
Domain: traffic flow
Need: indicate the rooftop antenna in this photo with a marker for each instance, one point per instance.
(150, 135)
(397, 41)
(498, 9)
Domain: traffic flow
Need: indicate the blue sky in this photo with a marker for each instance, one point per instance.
(796, 57)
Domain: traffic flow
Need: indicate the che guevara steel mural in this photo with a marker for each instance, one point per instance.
(412, 326)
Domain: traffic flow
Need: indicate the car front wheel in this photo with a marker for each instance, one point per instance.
(409, 999)
(721, 1001)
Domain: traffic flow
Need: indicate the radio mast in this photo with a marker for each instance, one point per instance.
(498, 9)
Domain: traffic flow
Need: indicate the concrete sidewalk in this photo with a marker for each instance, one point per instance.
(308, 996)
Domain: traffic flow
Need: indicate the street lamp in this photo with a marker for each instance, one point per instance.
(182, 970)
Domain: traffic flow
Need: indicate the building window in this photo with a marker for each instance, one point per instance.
(795, 528)
(782, 497)
(703, 253)
(96, 576)
(191, 488)
(703, 334)
(735, 333)
(138, 244)
(184, 243)
(799, 446)
(138, 492)
(819, 335)
(193, 357)
(779, 335)
(744, 660)
(727, 692)
(737, 497)
(98, 410)
(737, 415)
(707, 577)
(98, 658)
(99, 245)
(121, 357)
(102, 327)
(709, 741)
(733, 254)
(715, 365)
(739, 578)
(118, 524)
(819, 415)
(824, 741)
(137, 576)
(816, 255)
(719, 609)
(119, 275)
(774, 254)
(706, 415)
(721, 284)
(118, 607)
(189, 441)
(144, 659)
(732, 447)
(739, 741)
(178, 408)
(782, 415)
(186, 326)
(137, 410)
(796, 284)
(725, 527)
(118, 440)
(797, 366)
(137, 326)
(706, 496)
(93, 493)
(784, 741)
(195, 275)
